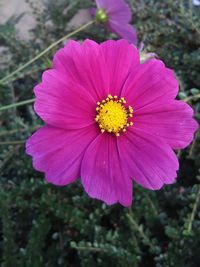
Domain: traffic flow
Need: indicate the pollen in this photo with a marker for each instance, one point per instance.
(113, 116)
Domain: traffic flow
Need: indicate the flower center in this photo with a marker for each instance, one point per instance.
(113, 116)
(101, 16)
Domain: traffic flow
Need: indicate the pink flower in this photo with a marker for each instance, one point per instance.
(109, 120)
(117, 15)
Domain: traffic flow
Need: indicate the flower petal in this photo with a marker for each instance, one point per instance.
(63, 103)
(120, 57)
(124, 30)
(67, 53)
(172, 121)
(103, 174)
(150, 161)
(84, 65)
(150, 82)
(59, 152)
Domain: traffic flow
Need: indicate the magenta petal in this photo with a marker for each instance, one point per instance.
(124, 30)
(103, 174)
(150, 161)
(62, 103)
(120, 57)
(59, 152)
(171, 121)
(69, 51)
(84, 65)
(150, 82)
(93, 11)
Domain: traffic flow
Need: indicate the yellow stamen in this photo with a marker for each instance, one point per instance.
(112, 115)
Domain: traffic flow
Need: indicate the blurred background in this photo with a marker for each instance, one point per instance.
(42, 225)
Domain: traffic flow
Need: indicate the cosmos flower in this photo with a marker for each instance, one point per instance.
(116, 15)
(109, 120)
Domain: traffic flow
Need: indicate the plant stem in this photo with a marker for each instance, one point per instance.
(138, 228)
(151, 204)
(13, 142)
(6, 78)
(22, 103)
(9, 156)
(194, 211)
(20, 130)
(92, 249)
(189, 98)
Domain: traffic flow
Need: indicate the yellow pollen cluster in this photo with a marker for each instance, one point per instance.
(112, 115)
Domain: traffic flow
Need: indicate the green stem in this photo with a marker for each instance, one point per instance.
(20, 130)
(13, 142)
(6, 78)
(92, 249)
(193, 97)
(194, 210)
(14, 105)
(9, 156)
(151, 204)
(138, 228)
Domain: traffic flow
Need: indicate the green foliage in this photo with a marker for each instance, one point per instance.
(44, 225)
